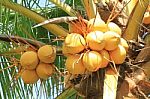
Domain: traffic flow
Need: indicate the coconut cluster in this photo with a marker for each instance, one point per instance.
(94, 50)
(37, 65)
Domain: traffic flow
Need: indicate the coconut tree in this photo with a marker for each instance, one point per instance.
(74, 49)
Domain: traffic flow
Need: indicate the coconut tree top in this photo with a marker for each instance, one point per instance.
(74, 49)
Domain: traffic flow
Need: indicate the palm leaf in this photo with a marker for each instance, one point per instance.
(135, 20)
(67, 93)
(56, 20)
(65, 7)
(34, 16)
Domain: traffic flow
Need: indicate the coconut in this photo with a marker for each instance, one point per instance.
(92, 60)
(95, 40)
(112, 40)
(146, 18)
(97, 24)
(29, 60)
(44, 70)
(114, 27)
(75, 43)
(105, 58)
(118, 55)
(29, 76)
(47, 54)
(74, 65)
(124, 43)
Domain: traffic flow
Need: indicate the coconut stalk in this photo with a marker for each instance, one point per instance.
(135, 20)
(110, 84)
(130, 6)
(55, 29)
(56, 20)
(29, 42)
(17, 39)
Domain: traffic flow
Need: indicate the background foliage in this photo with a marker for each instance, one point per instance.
(13, 23)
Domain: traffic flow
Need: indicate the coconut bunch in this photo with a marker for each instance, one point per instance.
(37, 65)
(94, 49)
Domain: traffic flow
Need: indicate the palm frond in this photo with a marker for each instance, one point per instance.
(56, 20)
(64, 6)
(34, 16)
(135, 20)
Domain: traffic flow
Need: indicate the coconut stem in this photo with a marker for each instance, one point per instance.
(110, 86)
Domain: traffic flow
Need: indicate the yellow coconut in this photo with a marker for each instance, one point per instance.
(124, 43)
(29, 60)
(92, 60)
(114, 27)
(75, 43)
(47, 54)
(112, 40)
(105, 58)
(95, 40)
(146, 19)
(29, 76)
(74, 65)
(97, 24)
(44, 70)
(118, 55)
